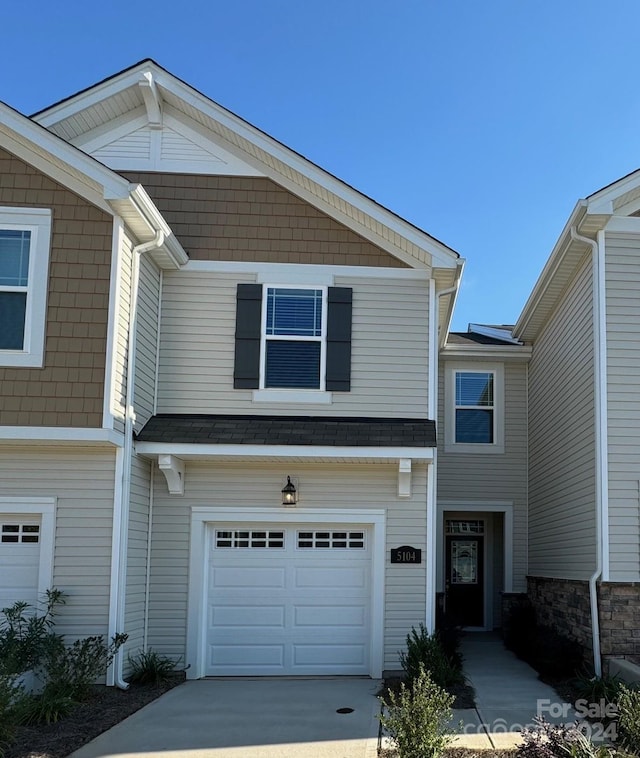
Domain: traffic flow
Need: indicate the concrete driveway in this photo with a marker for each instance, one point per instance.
(250, 718)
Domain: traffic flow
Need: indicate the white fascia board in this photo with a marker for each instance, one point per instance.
(61, 435)
(515, 353)
(607, 195)
(282, 271)
(148, 208)
(188, 450)
(27, 132)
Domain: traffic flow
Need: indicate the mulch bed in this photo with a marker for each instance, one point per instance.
(463, 693)
(106, 708)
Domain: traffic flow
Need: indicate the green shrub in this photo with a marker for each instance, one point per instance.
(629, 718)
(25, 634)
(11, 698)
(558, 741)
(425, 651)
(46, 707)
(595, 689)
(417, 718)
(149, 667)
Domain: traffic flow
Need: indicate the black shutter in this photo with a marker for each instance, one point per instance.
(246, 368)
(338, 376)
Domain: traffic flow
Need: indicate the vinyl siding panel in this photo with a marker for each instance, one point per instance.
(137, 554)
(147, 341)
(389, 367)
(623, 397)
(360, 486)
(82, 482)
(562, 439)
(477, 478)
(122, 335)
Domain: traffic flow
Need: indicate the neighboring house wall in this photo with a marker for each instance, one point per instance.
(230, 218)
(321, 486)
(623, 396)
(477, 478)
(69, 390)
(389, 360)
(562, 439)
(82, 483)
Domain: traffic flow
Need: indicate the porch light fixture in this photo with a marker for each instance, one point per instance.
(289, 494)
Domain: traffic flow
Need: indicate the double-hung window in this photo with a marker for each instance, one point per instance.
(294, 346)
(474, 398)
(24, 263)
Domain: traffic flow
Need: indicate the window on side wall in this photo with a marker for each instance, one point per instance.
(474, 398)
(25, 235)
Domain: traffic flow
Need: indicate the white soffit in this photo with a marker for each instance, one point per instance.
(122, 95)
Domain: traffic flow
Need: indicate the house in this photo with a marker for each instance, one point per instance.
(220, 326)
(234, 422)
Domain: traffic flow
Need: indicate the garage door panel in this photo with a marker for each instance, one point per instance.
(247, 616)
(288, 610)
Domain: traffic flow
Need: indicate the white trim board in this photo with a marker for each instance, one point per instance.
(311, 273)
(201, 516)
(60, 434)
(45, 507)
(195, 450)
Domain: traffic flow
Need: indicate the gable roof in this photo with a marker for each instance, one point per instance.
(147, 85)
(88, 178)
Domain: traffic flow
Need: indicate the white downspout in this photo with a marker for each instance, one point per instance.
(129, 421)
(432, 471)
(600, 409)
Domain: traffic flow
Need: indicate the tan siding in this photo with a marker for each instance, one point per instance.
(82, 482)
(232, 218)
(361, 486)
(623, 380)
(562, 445)
(477, 478)
(389, 366)
(69, 389)
(147, 342)
(137, 554)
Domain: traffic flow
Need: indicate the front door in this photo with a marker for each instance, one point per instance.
(464, 584)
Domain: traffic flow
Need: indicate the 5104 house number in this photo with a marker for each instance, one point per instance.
(406, 554)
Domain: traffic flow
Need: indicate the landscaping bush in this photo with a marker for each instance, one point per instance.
(149, 667)
(417, 717)
(596, 689)
(629, 718)
(558, 741)
(11, 697)
(425, 651)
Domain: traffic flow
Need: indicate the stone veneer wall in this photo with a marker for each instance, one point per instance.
(564, 604)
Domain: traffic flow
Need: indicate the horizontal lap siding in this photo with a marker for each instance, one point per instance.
(361, 486)
(122, 334)
(477, 478)
(147, 341)
(562, 442)
(389, 366)
(82, 482)
(623, 379)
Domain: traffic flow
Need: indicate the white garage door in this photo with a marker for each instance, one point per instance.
(19, 559)
(288, 600)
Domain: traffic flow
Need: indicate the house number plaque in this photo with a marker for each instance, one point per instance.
(406, 554)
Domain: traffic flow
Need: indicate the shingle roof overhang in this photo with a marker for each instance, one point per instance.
(284, 436)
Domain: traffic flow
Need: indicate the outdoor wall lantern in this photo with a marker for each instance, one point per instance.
(289, 494)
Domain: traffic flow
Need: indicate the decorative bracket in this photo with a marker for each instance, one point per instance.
(404, 477)
(152, 100)
(173, 470)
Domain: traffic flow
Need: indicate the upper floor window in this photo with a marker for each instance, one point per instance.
(293, 342)
(474, 407)
(24, 266)
(474, 401)
(294, 347)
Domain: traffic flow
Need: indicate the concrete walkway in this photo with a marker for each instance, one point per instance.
(508, 695)
(250, 718)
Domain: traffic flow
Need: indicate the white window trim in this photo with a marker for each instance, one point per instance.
(38, 222)
(450, 444)
(317, 395)
(203, 516)
(45, 509)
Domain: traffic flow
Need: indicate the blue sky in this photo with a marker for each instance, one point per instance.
(481, 121)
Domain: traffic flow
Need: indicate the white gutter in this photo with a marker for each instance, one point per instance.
(432, 470)
(600, 413)
(119, 575)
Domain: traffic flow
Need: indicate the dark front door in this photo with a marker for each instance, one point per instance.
(465, 580)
